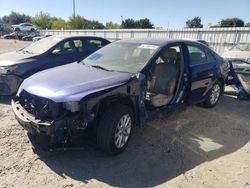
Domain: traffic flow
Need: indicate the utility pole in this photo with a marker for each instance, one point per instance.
(74, 9)
(121, 21)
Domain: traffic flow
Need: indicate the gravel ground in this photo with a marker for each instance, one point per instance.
(192, 147)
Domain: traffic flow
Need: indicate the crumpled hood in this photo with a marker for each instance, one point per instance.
(13, 58)
(72, 82)
(236, 54)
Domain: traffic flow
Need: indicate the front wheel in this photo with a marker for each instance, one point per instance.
(213, 95)
(115, 129)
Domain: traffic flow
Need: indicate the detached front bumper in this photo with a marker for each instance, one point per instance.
(9, 84)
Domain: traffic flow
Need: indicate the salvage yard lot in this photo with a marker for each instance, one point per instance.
(192, 147)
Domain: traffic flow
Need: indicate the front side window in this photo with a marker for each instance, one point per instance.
(68, 47)
(196, 55)
(122, 56)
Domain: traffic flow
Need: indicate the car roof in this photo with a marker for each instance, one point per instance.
(156, 41)
(62, 37)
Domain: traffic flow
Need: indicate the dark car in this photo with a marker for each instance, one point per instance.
(10, 36)
(44, 54)
(29, 37)
(121, 85)
(14, 35)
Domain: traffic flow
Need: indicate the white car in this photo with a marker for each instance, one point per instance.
(239, 58)
(239, 52)
(40, 37)
(24, 27)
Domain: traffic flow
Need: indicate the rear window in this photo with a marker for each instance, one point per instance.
(196, 55)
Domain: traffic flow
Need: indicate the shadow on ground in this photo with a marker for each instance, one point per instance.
(164, 149)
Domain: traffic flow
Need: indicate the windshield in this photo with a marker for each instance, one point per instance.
(42, 45)
(122, 57)
(241, 47)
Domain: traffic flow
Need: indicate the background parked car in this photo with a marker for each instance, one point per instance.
(10, 36)
(24, 27)
(40, 37)
(44, 54)
(239, 58)
(14, 35)
(126, 83)
(30, 37)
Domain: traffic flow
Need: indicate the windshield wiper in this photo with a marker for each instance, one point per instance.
(100, 67)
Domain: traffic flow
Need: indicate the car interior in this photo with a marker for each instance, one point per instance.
(164, 76)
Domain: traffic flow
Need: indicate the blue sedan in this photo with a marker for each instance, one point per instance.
(125, 83)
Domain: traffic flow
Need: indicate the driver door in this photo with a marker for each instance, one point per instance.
(64, 53)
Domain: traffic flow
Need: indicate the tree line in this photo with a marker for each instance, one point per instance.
(229, 22)
(46, 21)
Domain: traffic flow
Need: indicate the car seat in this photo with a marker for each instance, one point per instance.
(162, 86)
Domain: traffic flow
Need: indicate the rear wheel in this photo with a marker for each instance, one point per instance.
(115, 129)
(213, 95)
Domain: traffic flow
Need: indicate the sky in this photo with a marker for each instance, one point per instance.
(162, 13)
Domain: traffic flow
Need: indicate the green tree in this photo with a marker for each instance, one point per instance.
(16, 18)
(59, 24)
(137, 24)
(77, 22)
(144, 23)
(43, 20)
(194, 23)
(128, 24)
(111, 25)
(93, 24)
(232, 22)
(247, 25)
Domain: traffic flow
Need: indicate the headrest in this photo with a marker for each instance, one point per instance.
(169, 55)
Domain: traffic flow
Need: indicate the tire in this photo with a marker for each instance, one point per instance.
(213, 95)
(17, 29)
(111, 137)
(32, 29)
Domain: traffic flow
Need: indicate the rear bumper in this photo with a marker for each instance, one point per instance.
(9, 84)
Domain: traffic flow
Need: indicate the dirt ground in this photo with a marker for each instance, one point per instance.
(193, 147)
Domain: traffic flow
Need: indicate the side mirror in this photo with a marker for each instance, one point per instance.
(56, 52)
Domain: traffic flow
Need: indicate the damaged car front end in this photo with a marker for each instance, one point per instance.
(45, 117)
(57, 116)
